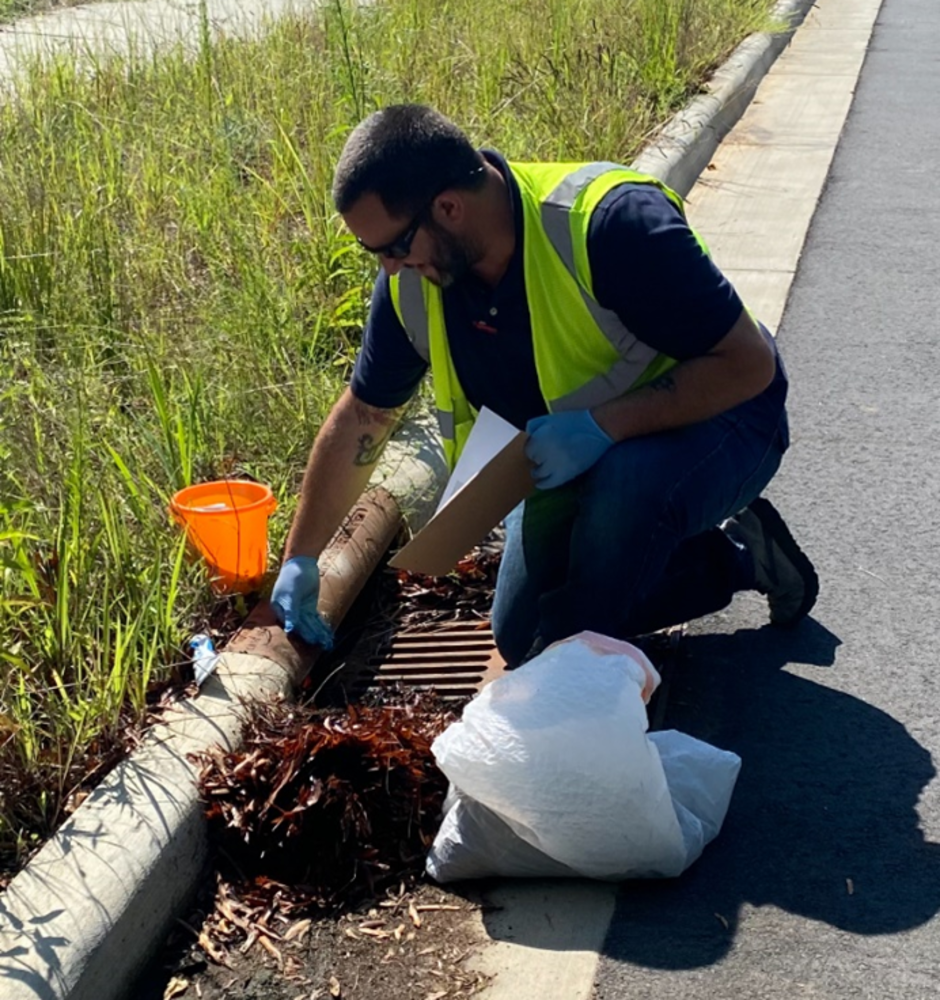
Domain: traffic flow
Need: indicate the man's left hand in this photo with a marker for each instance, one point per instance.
(563, 445)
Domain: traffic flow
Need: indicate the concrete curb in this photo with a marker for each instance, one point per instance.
(91, 909)
(682, 150)
(84, 917)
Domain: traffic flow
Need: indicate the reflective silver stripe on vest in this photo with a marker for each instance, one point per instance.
(448, 425)
(563, 197)
(413, 311)
(613, 383)
(635, 355)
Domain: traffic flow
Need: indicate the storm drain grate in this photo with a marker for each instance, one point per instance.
(455, 660)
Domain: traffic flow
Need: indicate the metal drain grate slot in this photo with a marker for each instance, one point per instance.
(432, 642)
(436, 658)
(454, 652)
(428, 675)
(455, 660)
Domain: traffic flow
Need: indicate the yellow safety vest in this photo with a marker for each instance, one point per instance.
(584, 355)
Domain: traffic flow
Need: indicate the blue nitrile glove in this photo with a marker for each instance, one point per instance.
(563, 445)
(294, 600)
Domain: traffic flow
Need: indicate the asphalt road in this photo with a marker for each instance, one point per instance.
(825, 881)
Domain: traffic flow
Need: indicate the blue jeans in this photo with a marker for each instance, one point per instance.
(632, 545)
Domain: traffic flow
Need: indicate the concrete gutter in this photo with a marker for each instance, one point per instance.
(86, 915)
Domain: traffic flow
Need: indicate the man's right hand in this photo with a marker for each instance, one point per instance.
(294, 600)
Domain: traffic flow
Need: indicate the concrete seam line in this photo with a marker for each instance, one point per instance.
(682, 150)
(90, 910)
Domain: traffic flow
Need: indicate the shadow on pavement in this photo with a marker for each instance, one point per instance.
(823, 821)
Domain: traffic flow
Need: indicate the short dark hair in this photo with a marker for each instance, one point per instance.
(406, 154)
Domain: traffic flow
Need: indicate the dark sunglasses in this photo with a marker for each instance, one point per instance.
(400, 247)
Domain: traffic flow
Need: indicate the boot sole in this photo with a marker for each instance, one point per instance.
(775, 526)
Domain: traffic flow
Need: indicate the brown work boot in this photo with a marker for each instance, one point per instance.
(781, 569)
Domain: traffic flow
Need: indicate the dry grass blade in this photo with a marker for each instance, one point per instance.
(265, 943)
(375, 932)
(176, 987)
(214, 952)
(298, 931)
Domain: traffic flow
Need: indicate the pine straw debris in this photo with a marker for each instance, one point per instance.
(464, 594)
(421, 937)
(321, 809)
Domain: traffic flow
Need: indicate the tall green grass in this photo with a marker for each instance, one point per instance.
(178, 302)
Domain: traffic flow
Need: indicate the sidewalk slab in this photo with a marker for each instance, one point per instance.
(792, 114)
(754, 208)
(765, 292)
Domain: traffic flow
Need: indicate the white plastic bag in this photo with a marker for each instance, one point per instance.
(552, 773)
(701, 779)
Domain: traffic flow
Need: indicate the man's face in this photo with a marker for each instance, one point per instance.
(451, 257)
(433, 250)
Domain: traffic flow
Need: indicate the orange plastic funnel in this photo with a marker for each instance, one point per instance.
(227, 524)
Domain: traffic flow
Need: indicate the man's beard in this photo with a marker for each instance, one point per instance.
(453, 259)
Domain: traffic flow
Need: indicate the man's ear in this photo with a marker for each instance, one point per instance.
(450, 208)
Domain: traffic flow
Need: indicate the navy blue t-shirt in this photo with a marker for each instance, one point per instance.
(646, 266)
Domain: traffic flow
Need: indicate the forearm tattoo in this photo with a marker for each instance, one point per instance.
(370, 448)
(370, 445)
(665, 383)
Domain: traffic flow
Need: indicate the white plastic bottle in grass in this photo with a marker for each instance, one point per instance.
(205, 657)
